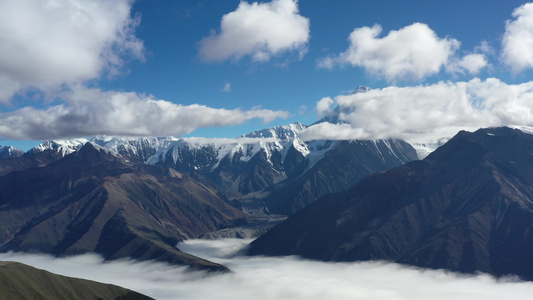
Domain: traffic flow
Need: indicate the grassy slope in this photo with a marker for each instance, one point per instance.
(20, 281)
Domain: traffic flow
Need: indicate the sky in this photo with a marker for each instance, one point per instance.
(279, 277)
(79, 68)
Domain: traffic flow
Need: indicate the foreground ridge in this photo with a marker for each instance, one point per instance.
(467, 207)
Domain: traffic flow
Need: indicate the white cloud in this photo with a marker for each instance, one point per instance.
(49, 43)
(89, 112)
(227, 87)
(323, 106)
(413, 52)
(485, 47)
(471, 63)
(426, 112)
(279, 278)
(517, 43)
(259, 30)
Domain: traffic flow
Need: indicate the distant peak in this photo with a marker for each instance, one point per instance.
(10, 151)
(90, 149)
(333, 119)
(361, 89)
(64, 147)
(279, 132)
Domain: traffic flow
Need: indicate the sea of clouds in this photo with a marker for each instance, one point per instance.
(278, 278)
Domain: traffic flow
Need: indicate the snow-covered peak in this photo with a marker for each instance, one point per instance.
(64, 147)
(133, 146)
(361, 89)
(423, 149)
(10, 151)
(104, 149)
(284, 132)
(217, 149)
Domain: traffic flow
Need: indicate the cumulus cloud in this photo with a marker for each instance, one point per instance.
(259, 30)
(323, 106)
(471, 63)
(412, 52)
(517, 43)
(425, 113)
(46, 44)
(279, 278)
(89, 112)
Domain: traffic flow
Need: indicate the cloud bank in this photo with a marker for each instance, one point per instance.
(46, 44)
(413, 52)
(259, 30)
(89, 112)
(517, 42)
(279, 278)
(425, 113)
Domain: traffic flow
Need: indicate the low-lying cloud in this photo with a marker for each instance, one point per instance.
(279, 278)
(89, 112)
(258, 30)
(425, 113)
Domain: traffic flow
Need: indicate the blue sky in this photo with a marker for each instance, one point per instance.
(74, 68)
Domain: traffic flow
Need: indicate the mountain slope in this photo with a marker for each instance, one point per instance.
(345, 163)
(30, 159)
(20, 281)
(467, 207)
(95, 201)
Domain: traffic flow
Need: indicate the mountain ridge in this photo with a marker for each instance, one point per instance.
(95, 201)
(21, 281)
(466, 207)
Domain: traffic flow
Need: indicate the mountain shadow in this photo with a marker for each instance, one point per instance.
(467, 207)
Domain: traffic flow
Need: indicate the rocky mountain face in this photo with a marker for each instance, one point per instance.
(344, 164)
(467, 207)
(94, 200)
(20, 281)
(9, 151)
(28, 160)
(240, 166)
(274, 170)
(271, 159)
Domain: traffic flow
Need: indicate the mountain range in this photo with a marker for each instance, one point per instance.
(94, 200)
(466, 207)
(138, 197)
(262, 161)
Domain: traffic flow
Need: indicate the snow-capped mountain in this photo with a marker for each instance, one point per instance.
(63, 147)
(423, 149)
(139, 148)
(284, 132)
(249, 163)
(10, 151)
(246, 164)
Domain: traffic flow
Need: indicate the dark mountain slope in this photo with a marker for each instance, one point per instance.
(467, 207)
(93, 201)
(28, 160)
(347, 163)
(20, 281)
